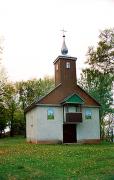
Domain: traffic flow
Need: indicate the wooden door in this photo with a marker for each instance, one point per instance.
(69, 133)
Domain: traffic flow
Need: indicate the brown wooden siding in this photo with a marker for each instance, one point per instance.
(64, 75)
(73, 117)
(57, 73)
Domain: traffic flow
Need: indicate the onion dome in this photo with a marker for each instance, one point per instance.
(64, 49)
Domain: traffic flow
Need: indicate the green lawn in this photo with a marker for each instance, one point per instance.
(21, 160)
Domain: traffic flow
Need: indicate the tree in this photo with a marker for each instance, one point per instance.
(102, 57)
(3, 119)
(3, 79)
(14, 97)
(32, 89)
(10, 100)
(98, 77)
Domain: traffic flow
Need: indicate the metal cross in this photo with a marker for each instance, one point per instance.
(64, 31)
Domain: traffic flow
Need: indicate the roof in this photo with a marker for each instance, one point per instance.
(61, 94)
(34, 104)
(89, 95)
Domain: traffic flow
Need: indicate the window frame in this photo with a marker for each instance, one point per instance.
(67, 65)
(57, 67)
(50, 113)
(88, 114)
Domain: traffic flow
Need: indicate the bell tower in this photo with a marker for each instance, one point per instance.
(65, 67)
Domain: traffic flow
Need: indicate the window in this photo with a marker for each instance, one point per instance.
(71, 109)
(78, 109)
(88, 114)
(67, 65)
(57, 67)
(50, 114)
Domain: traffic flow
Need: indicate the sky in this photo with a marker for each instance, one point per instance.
(32, 35)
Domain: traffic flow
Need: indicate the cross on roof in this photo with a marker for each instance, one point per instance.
(64, 31)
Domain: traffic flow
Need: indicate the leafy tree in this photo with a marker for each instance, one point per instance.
(3, 79)
(3, 119)
(30, 90)
(2, 72)
(98, 77)
(10, 100)
(102, 57)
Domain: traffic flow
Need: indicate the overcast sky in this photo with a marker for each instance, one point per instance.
(32, 36)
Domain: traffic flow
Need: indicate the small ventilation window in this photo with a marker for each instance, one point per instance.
(67, 65)
(57, 67)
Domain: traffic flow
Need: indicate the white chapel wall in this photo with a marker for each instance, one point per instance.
(31, 125)
(49, 130)
(89, 129)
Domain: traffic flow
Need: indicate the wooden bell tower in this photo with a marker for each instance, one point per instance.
(65, 70)
(65, 67)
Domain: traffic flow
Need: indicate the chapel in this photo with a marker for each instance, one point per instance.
(67, 114)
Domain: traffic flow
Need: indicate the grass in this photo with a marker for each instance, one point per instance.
(20, 160)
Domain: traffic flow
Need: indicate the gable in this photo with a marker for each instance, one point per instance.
(73, 99)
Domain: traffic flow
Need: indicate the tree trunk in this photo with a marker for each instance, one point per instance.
(102, 133)
(25, 125)
(0, 133)
(11, 125)
(11, 130)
